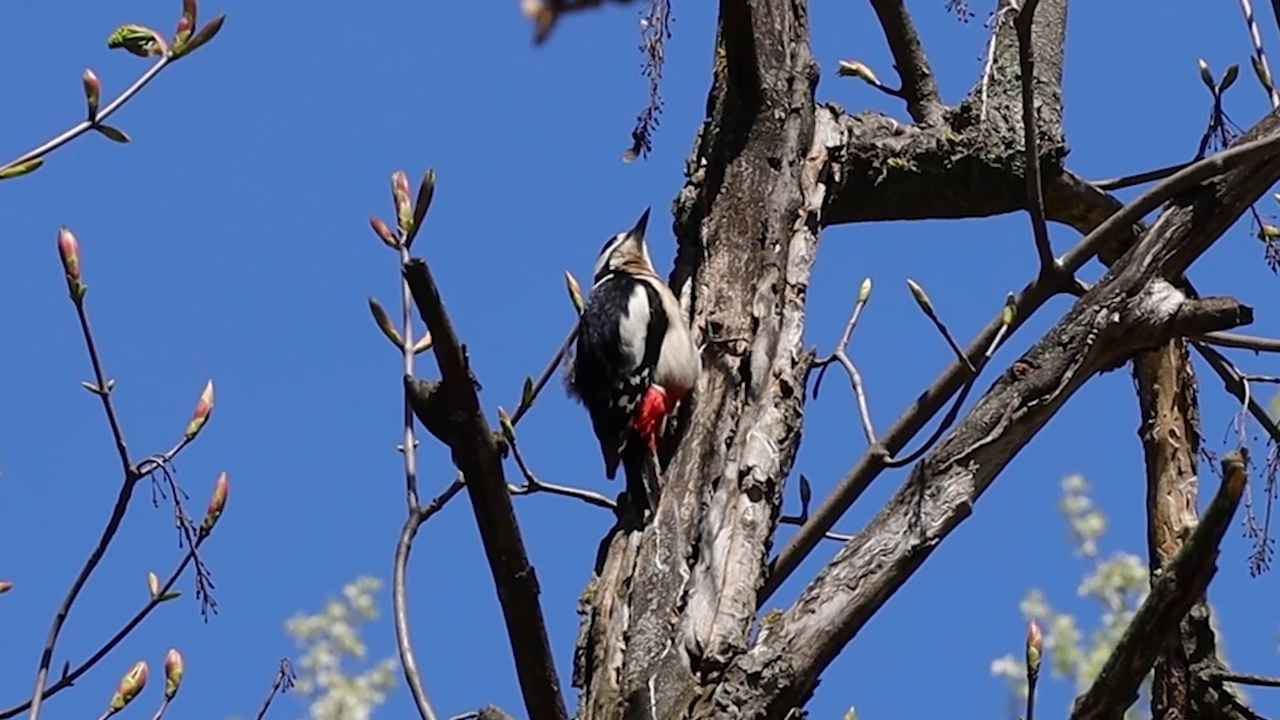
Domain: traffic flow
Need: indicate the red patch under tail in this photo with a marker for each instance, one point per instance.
(654, 407)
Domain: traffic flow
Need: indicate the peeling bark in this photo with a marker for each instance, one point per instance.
(667, 619)
(674, 602)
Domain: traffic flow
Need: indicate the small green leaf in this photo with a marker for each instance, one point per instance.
(112, 133)
(864, 291)
(921, 298)
(169, 595)
(384, 323)
(21, 169)
(139, 40)
(508, 430)
(1260, 70)
(526, 395)
(1009, 312)
(205, 34)
(91, 387)
(1206, 75)
(1229, 78)
(425, 192)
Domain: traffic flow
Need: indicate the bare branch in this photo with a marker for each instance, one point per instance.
(283, 682)
(1255, 147)
(1119, 183)
(1259, 54)
(1133, 307)
(1236, 384)
(526, 401)
(1035, 187)
(73, 674)
(533, 485)
(478, 457)
(1246, 679)
(69, 249)
(1244, 342)
(86, 125)
(1173, 591)
(840, 355)
(409, 217)
(919, 88)
(400, 602)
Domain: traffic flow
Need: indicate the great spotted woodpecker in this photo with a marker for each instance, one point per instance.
(635, 359)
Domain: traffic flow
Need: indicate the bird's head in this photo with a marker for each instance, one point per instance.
(626, 252)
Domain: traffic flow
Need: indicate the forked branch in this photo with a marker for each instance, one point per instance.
(477, 455)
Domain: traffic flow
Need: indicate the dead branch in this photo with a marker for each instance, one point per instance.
(919, 88)
(283, 682)
(1174, 589)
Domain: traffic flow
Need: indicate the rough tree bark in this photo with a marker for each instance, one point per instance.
(668, 617)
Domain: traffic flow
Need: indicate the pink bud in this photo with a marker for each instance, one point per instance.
(173, 670)
(1035, 646)
(5, 586)
(92, 91)
(404, 206)
(130, 685)
(69, 249)
(384, 232)
(217, 502)
(204, 406)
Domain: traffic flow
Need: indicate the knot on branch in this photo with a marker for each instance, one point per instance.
(1167, 312)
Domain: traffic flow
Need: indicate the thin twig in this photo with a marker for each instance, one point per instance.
(164, 705)
(69, 678)
(409, 448)
(85, 126)
(954, 411)
(989, 62)
(841, 356)
(1245, 679)
(1035, 187)
(797, 520)
(282, 683)
(919, 88)
(1275, 13)
(1032, 677)
(533, 485)
(1120, 183)
(132, 476)
(408, 661)
(104, 389)
(1259, 54)
(526, 404)
(1237, 385)
(1244, 342)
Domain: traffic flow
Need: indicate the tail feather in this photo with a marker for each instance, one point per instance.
(638, 463)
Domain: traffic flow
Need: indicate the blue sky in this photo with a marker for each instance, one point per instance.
(230, 240)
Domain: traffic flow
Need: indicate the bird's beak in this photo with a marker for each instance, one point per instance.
(641, 224)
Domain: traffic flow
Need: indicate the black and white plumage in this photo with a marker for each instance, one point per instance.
(635, 358)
